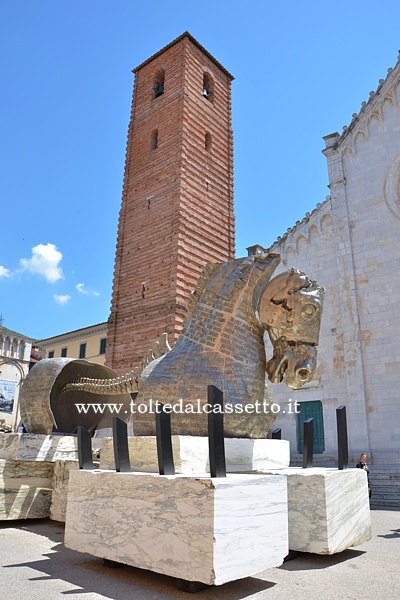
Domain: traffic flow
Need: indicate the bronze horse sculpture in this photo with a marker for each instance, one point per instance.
(222, 343)
(234, 305)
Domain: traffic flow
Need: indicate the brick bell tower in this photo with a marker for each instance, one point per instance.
(177, 201)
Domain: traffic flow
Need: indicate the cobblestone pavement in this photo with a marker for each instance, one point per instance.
(34, 564)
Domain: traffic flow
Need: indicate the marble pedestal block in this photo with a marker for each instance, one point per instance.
(193, 528)
(27, 462)
(62, 469)
(25, 489)
(191, 454)
(39, 447)
(328, 509)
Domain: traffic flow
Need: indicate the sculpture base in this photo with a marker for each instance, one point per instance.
(193, 528)
(27, 464)
(25, 489)
(243, 455)
(38, 447)
(328, 509)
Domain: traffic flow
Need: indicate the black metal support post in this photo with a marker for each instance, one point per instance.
(343, 447)
(121, 448)
(276, 434)
(216, 446)
(164, 441)
(85, 455)
(308, 445)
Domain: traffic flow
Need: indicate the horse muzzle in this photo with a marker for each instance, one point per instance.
(292, 363)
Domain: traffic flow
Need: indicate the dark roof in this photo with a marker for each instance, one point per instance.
(36, 355)
(11, 332)
(176, 41)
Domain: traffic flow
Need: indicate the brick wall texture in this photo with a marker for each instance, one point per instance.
(177, 202)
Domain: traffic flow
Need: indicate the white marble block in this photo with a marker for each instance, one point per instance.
(256, 455)
(193, 528)
(25, 489)
(328, 509)
(62, 469)
(39, 447)
(191, 454)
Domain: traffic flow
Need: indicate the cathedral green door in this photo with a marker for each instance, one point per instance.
(308, 410)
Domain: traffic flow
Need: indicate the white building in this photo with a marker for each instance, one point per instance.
(15, 352)
(351, 245)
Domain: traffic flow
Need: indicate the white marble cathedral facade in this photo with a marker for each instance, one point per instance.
(351, 245)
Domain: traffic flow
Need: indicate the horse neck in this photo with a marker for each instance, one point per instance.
(227, 325)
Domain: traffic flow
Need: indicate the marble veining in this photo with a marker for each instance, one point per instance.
(38, 447)
(62, 469)
(25, 489)
(14, 473)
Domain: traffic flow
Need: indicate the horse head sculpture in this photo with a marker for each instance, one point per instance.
(290, 308)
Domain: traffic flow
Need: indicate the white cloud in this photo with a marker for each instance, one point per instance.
(62, 299)
(45, 261)
(82, 290)
(4, 272)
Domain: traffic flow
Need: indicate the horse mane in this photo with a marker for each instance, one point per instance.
(209, 270)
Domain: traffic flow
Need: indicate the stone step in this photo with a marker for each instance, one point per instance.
(389, 484)
(385, 476)
(392, 504)
(385, 483)
(389, 494)
(386, 472)
(383, 495)
(383, 466)
(319, 460)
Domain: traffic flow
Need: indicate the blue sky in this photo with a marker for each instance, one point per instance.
(301, 69)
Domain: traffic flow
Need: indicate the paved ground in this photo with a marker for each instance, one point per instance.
(35, 565)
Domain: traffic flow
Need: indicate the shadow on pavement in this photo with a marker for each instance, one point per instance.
(90, 575)
(307, 561)
(395, 534)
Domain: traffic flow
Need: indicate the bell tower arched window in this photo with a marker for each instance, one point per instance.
(158, 85)
(154, 140)
(207, 141)
(208, 87)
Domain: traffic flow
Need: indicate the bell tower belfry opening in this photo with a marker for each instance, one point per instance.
(177, 201)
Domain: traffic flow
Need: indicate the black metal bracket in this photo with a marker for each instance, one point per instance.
(276, 434)
(85, 455)
(164, 441)
(343, 447)
(216, 446)
(121, 447)
(308, 445)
